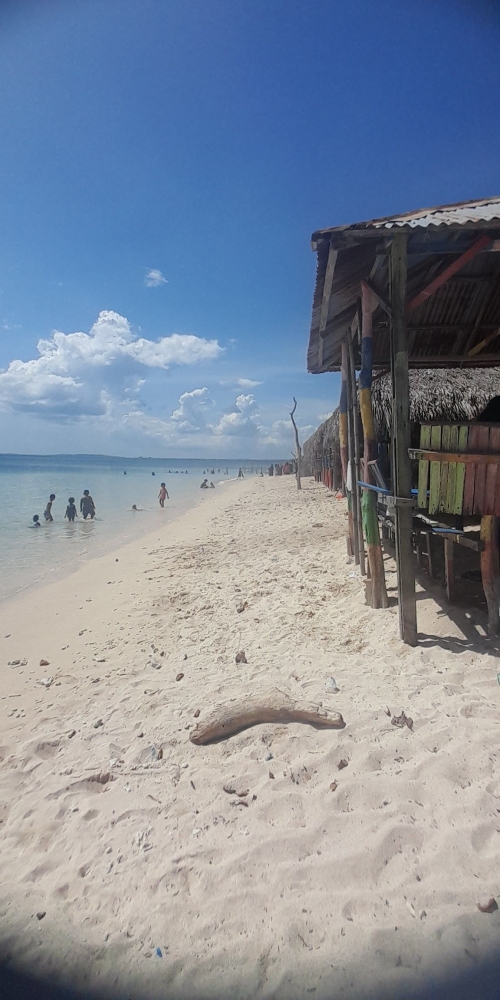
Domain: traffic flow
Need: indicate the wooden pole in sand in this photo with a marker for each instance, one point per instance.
(357, 455)
(297, 446)
(490, 571)
(343, 437)
(377, 588)
(352, 494)
(401, 465)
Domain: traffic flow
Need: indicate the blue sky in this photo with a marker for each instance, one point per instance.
(201, 142)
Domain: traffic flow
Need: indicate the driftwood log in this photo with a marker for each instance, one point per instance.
(243, 712)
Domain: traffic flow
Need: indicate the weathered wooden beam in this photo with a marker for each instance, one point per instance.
(475, 458)
(351, 493)
(449, 569)
(490, 571)
(483, 343)
(401, 442)
(325, 302)
(449, 271)
(357, 454)
(377, 590)
(377, 296)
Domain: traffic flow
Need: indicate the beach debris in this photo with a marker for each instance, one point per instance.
(242, 607)
(342, 763)
(498, 678)
(98, 724)
(317, 525)
(271, 775)
(240, 657)
(179, 677)
(14, 663)
(41, 914)
(155, 665)
(489, 907)
(333, 785)
(159, 755)
(331, 685)
(387, 711)
(159, 953)
(238, 802)
(44, 663)
(268, 756)
(401, 721)
(236, 788)
(46, 682)
(192, 785)
(197, 713)
(71, 734)
(274, 706)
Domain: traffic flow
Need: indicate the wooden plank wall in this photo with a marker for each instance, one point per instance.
(471, 488)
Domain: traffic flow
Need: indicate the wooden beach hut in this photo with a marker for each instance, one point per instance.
(415, 291)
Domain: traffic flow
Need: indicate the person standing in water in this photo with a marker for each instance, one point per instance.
(71, 509)
(35, 522)
(163, 495)
(87, 505)
(48, 510)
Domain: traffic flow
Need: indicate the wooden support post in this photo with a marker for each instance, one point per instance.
(377, 588)
(344, 445)
(357, 455)
(352, 495)
(401, 468)
(449, 568)
(490, 571)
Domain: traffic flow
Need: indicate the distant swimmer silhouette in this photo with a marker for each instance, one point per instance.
(36, 522)
(87, 505)
(48, 510)
(71, 509)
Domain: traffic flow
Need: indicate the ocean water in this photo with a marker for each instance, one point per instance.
(30, 556)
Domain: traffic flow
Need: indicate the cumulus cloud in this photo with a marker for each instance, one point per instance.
(242, 420)
(71, 375)
(191, 414)
(154, 278)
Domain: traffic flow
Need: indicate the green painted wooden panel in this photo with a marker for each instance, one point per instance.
(435, 470)
(423, 467)
(443, 476)
(452, 471)
(458, 500)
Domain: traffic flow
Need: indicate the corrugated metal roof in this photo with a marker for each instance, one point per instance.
(459, 214)
(444, 215)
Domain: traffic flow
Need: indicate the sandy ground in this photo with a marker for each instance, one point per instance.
(323, 880)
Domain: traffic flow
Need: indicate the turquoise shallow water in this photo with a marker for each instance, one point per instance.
(29, 556)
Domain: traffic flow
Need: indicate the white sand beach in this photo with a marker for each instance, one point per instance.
(125, 866)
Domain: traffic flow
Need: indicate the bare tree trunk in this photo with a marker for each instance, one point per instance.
(297, 444)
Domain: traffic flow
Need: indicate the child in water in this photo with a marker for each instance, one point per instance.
(36, 522)
(71, 509)
(48, 510)
(163, 495)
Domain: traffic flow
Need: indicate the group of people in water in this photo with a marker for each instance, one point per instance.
(87, 509)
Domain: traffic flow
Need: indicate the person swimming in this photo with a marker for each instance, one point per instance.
(71, 509)
(87, 505)
(48, 510)
(36, 522)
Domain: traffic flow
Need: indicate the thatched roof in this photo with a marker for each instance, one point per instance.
(435, 394)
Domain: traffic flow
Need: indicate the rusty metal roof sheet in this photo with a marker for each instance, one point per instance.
(444, 329)
(459, 214)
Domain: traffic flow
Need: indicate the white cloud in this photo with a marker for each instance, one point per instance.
(72, 375)
(242, 420)
(154, 278)
(247, 383)
(191, 413)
